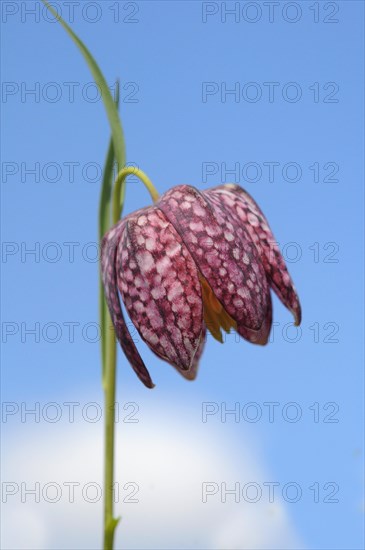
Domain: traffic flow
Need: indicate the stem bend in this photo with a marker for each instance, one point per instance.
(127, 171)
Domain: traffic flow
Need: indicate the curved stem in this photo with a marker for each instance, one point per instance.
(118, 185)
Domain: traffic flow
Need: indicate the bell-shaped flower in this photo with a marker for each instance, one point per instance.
(194, 260)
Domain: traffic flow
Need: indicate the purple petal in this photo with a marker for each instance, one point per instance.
(160, 287)
(191, 374)
(225, 256)
(249, 213)
(108, 257)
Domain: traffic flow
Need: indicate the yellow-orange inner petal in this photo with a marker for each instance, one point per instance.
(215, 316)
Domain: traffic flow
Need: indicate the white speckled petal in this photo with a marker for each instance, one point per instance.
(108, 270)
(160, 287)
(225, 255)
(241, 205)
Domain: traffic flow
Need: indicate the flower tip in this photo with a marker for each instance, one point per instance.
(190, 376)
(263, 341)
(148, 383)
(297, 313)
(257, 337)
(263, 334)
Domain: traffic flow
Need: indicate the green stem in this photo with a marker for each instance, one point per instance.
(110, 522)
(119, 186)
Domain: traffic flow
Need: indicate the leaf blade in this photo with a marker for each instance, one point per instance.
(110, 107)
(104, 225)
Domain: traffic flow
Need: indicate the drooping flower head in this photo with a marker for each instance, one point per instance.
(194, 260)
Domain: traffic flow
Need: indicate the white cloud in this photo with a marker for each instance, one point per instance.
(167, 460)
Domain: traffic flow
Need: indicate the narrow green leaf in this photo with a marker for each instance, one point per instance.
(116, 152)
(111, 109)
(107, 183)
(104, 224)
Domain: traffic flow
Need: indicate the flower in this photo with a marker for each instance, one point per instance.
(193, 260)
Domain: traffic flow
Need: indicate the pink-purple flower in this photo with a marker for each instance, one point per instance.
(194, 260)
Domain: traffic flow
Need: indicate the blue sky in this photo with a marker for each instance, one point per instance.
(292, 134)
